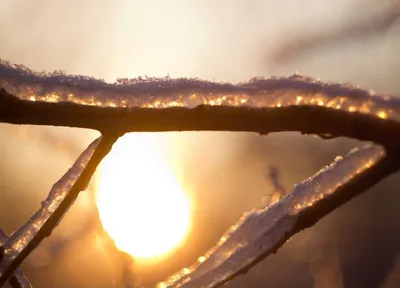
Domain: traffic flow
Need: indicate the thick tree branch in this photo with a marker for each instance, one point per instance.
(307, 119)
(295, 103)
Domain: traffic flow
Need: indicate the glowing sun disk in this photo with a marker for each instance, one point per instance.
(141, 203)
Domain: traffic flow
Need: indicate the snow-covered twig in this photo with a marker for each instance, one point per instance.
(18, 279)
(62, 195)
(261, 232)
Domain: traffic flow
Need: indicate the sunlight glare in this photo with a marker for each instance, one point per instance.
(141, 203)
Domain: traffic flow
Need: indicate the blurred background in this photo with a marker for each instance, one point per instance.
(223, 174)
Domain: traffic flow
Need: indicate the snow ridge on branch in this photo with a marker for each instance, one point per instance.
(295, 90)
(261, 232)
(152, 104)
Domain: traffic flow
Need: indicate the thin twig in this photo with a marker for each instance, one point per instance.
(61, 197)
(361, 29)
(278, 190)
(18, 279)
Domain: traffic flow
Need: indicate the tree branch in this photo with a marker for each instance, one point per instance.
(262, 232)
(291, 117)
(18, 279)
(151, 104)
(363, 28)
(61, 197)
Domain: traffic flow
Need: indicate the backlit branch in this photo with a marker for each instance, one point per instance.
(213, 118)
(62, 195)
(260, 105)
(261, 232)
(18, 279)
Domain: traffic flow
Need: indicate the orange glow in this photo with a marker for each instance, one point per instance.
(382, 114)
(141, 203)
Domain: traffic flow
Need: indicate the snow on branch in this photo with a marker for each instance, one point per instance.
(296, 103)
(18, 279)
(62, 195)
(153, 104)
(261, 232)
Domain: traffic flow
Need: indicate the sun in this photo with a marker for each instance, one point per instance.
(140, 201)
